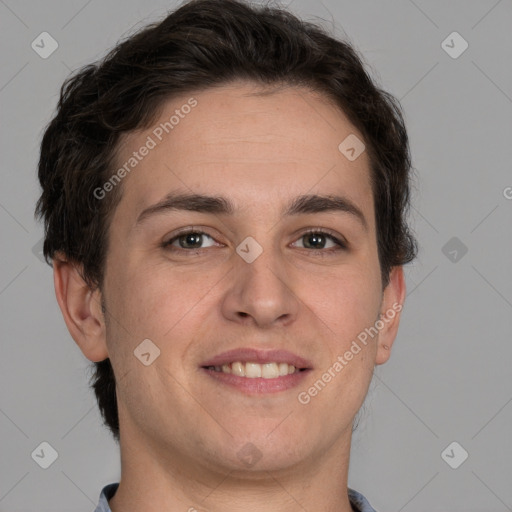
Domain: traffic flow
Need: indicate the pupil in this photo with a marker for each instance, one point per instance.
(192, 239)
(315, 238)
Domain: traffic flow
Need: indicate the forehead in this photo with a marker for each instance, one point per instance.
(235, 141)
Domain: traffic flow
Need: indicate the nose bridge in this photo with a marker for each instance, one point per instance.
(262, 267)
(260, 288)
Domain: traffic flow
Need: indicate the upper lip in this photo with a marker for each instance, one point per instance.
(258, 356)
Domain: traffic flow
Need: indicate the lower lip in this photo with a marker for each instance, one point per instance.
(259, 384)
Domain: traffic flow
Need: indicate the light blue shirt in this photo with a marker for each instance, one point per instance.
(358, 501)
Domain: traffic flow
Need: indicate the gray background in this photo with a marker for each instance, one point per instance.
(449, 377)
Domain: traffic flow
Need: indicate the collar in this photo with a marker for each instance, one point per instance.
(357, 500)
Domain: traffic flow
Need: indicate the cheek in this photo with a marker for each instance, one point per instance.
(348, 310)
(158, 302)
(347, 302)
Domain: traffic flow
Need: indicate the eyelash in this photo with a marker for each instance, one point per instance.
(313, 231)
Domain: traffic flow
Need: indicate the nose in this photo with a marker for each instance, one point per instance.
(261, 293)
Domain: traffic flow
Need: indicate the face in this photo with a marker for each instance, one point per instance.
(253, 275)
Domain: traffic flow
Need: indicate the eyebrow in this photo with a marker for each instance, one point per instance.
(304, 204)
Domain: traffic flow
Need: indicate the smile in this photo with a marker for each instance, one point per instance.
(252, 370)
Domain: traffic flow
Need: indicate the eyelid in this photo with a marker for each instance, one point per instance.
(185, 231)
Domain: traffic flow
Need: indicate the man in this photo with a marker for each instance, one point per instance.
(224, 199)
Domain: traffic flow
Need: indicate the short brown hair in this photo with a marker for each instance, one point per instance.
(202, 44)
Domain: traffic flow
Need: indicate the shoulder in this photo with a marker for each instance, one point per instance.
(359, 502)
(107, 492)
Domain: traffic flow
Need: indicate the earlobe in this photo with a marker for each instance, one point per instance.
(392, 304)
(81, 309)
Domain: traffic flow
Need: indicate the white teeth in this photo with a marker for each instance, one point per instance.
(256, 370)
(238, 369)
(252, 370)
(269, 370)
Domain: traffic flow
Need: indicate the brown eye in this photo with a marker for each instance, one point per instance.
(189, 240)
(319, 240)
(315, 241)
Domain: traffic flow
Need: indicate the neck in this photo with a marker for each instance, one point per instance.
(154, 479)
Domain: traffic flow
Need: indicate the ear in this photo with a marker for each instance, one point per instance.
(81, 309)
(392, 303)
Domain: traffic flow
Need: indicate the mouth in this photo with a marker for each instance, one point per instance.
(252, 370)
(258, 371)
